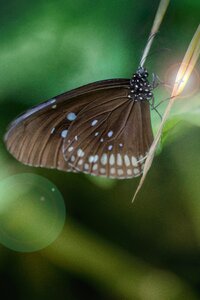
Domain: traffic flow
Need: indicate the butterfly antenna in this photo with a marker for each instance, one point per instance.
(156, 24)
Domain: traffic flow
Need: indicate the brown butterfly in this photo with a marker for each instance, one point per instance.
(102, 129)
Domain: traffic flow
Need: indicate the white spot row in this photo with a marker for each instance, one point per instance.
(105, 159)
(112, 171)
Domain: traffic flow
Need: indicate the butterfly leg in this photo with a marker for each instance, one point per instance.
(153, 107)
(156, 81)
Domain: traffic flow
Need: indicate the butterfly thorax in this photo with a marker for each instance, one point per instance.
(140, 88)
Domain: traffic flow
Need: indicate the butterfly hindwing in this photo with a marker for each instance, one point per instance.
(110, 138)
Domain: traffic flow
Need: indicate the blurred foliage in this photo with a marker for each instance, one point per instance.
(109, 248)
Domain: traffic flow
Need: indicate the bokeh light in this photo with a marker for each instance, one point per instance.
(192, 86)
(32, 212)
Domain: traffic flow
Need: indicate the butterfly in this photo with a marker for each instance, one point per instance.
(102, 129)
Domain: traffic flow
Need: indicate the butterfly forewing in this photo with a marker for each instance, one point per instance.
(36, 137)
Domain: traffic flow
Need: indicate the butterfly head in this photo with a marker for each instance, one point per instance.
(142, 72)
(140, 88)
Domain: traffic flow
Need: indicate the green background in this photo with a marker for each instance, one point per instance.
(109, 248)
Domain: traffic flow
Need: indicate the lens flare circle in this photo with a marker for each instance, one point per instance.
(32, 212)
(192, 85)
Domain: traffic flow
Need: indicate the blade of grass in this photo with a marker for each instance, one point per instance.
(182, 77)
(156, 24)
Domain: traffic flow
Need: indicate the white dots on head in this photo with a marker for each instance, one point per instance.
(64, 133)
(121, 145)
(96, 133)
(101, 140)
(70, 149)
(110, 147)
(94, 122)
(119, 159)
(110, 133)
(76, 138)
(127, 160)
(71, 116)
(104, 159)
(112, 160)
(80, 153)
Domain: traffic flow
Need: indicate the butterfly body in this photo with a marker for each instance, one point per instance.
(102, 129)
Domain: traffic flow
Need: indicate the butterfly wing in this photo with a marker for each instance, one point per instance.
(110, 136)
(36, 137)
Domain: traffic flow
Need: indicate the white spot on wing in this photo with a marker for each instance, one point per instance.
(70, 149)
(96, 157)
(104, 159)
(129, 172)
(71, 116)
(52, 130)
(112, 159)
(112, 171)
(136, 171)
(80, 153)
(64, 133)
(94, 122)
(110, 147)
(80, 162)
(73, 158)
(134, 161)
(95, 167)
(91, 159)
(86, 166)
(120, 172)
(119, 159)
(127, 160)
(102, 170)
(110, 133)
